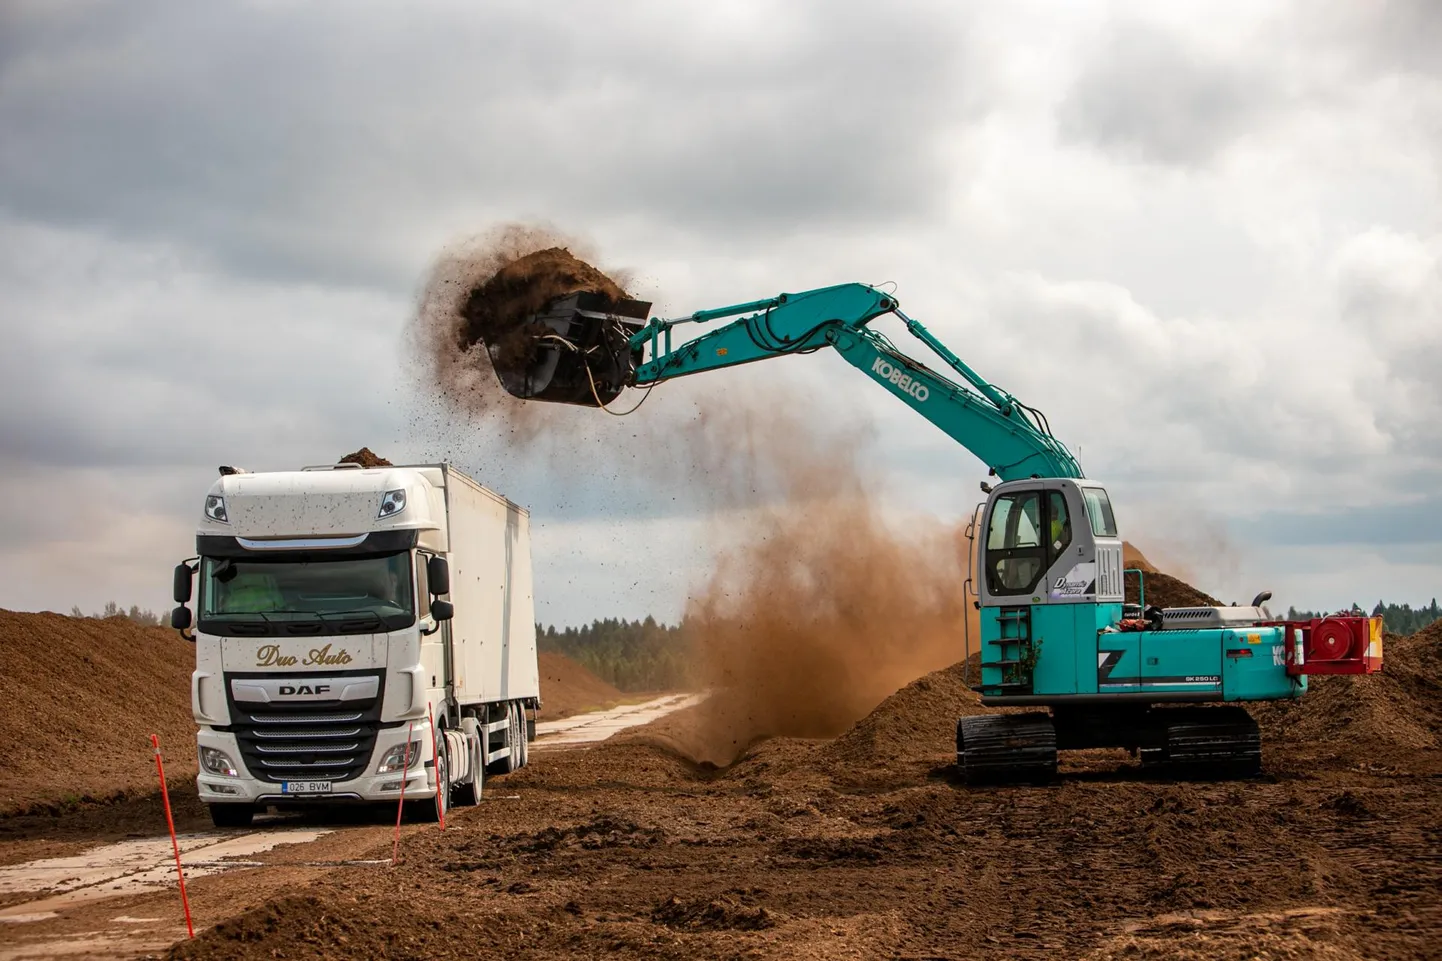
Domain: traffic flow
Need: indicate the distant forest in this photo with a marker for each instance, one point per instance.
(631, 655)
(1398, 618)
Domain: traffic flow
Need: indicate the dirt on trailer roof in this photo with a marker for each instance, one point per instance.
(366, 458)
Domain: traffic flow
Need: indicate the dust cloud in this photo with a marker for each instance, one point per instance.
(820, 605)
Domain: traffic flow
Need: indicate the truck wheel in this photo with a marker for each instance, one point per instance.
(429, 812)
(525, 740)
(232, 815)
(515, 733)
(470, 794)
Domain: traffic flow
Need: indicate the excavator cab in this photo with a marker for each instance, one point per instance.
(576, 351)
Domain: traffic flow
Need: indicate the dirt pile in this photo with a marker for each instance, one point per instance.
(1131, 557)
(79, 698)
(366, 458)
(916, 724)
(568, 688)
(1163, 590)
(1386, 717)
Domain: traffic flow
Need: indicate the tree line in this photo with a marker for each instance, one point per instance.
(629, 655)
(145, 618)
(1398, 618)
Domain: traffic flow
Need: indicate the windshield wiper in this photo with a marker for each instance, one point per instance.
(357, 615)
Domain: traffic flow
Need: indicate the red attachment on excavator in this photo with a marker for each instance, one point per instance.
(1335, 644)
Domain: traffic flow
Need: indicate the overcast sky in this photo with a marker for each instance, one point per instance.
(1205, 238)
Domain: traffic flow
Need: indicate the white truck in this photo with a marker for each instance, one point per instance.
(347, 619)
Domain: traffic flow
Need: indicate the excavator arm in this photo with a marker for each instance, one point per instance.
(1011, 438)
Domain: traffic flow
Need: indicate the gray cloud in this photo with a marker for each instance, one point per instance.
(1147, 93)
(213, 218)
(1411, 521)
(331, 141)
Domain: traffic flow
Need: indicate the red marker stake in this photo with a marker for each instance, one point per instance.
(174, 844)
(440, 810)
(401, 804)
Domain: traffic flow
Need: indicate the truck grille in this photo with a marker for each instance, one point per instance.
(314, 740)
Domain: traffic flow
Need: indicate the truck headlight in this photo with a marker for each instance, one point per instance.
(217, 762)
(392, 503)
(215, 508)
(395, 758)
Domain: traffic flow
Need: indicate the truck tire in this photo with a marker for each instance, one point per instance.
(232, 815)
(468, 795)
(428, 811)
(515, 737)
(525, 739)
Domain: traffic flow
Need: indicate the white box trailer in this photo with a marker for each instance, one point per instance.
(338, 614)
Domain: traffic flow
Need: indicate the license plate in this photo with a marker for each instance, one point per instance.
(305, 787)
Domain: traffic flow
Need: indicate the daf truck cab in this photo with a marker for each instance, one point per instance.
(360, 634)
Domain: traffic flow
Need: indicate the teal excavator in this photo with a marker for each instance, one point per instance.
(1057, 639)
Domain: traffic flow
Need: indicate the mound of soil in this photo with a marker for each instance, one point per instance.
(916, 724)
(79, 699)
(568, 688)
(495, 313)
(1384, 717)
(366, 458)
(1131, 557)
(1163, 590)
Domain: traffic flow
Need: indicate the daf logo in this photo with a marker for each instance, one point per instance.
(302, 690)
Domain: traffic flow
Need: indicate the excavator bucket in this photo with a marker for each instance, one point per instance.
(577, 351)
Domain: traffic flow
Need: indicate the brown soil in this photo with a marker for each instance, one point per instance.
(366, 458)
(79, 699)
(867, 846)
(496, 312)
(1163, 590)
(1391, 718)
(1131, 557)
(568, 688)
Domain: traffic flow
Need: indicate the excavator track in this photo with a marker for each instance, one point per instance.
(1205, 743)
(1006, 748)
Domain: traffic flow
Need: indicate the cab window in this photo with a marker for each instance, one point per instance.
(1058, 524)
(1015, 552)
(1099, 511)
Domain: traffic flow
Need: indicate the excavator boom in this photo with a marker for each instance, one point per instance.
(1012, 439)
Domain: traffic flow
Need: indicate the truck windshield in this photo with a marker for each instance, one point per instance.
(305, 594)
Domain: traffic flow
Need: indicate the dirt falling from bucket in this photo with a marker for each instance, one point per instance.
(823, 604)
(480, 291)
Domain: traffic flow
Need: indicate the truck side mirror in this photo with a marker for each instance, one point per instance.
(442, 610)
(438, 573)
(181, 589)
(180, 618)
